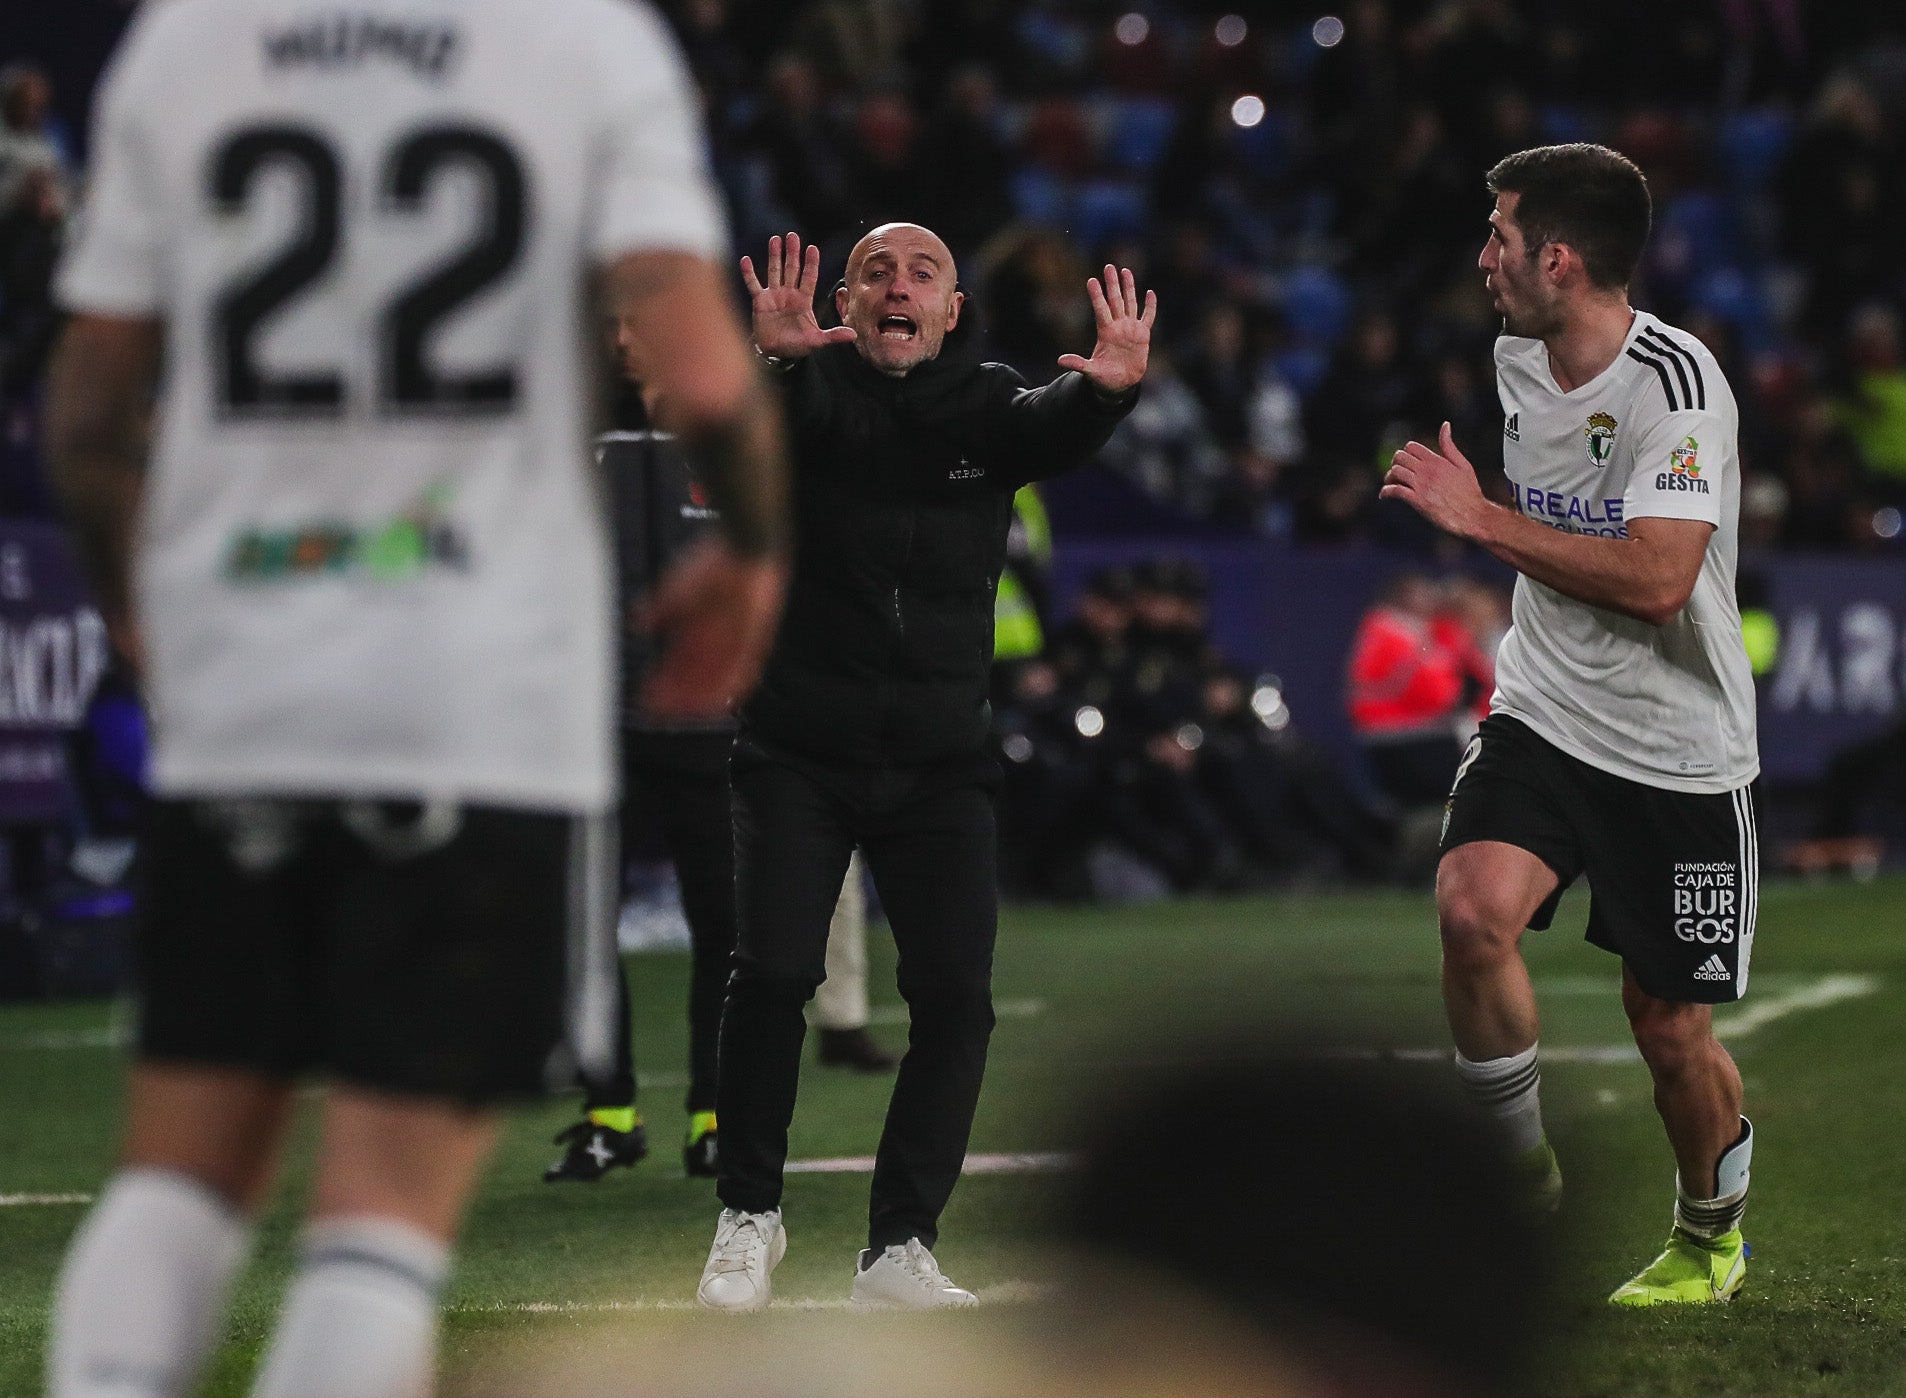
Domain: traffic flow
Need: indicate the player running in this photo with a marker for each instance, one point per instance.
(367, 575)
(1620, 742)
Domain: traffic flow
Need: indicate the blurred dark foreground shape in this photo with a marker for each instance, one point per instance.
(1253, 1220)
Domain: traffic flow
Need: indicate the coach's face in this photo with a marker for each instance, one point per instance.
(1514, 273)
(899, 298)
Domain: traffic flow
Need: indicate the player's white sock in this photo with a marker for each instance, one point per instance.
(1709, 1218)
(1508, 1089)
(361, 1318)
(141, 1297)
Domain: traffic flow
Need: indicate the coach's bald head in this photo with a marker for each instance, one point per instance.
(900, 296)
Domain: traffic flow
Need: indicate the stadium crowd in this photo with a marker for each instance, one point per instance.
(1255, 167)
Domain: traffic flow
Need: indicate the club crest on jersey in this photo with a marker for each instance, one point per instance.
(1600, 430)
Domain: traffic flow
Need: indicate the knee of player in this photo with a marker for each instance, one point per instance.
(1477, 929)
(1669, 1035)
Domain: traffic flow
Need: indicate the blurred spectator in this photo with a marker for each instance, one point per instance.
(1875, 409)
(1409, 691)
(1840, 200)
(1167, 445)
(805, 153)
(26, 147)
(970, 166)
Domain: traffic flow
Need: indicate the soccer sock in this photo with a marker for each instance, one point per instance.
(361, 1318)
(624, 1119)
(1709, 1218)
(141, 1297)
(1508, 1090)
(699, 1125)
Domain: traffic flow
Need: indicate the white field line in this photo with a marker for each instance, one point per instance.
(1005, 1294)
(1002, 1009)
(15, 1201)
(1035, 1163)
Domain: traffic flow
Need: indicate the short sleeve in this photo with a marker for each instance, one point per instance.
(1678, 463)
(654, 192)
(113, 265)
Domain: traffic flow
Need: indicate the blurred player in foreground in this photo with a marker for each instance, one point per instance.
(1620, 743)
(367, 579)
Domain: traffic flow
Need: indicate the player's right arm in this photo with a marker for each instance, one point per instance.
(660, 240)
(1649, 575)
(98, 406)
(717, 608)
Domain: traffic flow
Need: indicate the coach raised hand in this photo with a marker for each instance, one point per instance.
(870, 725)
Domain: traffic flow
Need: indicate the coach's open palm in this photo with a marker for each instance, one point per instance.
(784, 323)
(1124, 335)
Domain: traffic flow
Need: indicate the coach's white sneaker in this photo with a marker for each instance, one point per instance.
(748, 1247)
(906, 1276)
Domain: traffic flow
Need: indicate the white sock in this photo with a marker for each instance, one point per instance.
(361, 1318)
(141, 1297)
(1709, 1218)
(1508, 1089)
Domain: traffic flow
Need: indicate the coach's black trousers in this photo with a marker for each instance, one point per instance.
(931, 844)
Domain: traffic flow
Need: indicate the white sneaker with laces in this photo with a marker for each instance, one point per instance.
(906, 1276)
(748, 1247)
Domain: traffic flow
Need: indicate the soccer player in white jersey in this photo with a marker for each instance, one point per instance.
(366, 576)
(1620, 742)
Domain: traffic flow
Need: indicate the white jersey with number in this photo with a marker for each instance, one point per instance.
(1655, 435)
(373, 557)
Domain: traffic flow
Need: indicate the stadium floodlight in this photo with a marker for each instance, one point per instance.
(1231, 30)
(1327, 32)
(1248, 110)
(1132, 29)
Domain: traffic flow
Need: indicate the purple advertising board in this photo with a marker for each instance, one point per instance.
(1292, 612)
(52, 652)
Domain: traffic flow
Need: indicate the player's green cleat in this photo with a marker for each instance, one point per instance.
(1690, 1271)
(1538, 1178)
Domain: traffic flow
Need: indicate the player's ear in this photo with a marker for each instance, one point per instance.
(840, 301)
(953, 315)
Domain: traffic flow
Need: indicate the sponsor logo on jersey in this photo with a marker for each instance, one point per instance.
(1714, 969)
(1572, 514)
(1512, 428)
(1684, 469)
(395, 550)
(1600, 431)
(1706, 902)
(966, 471)
(698, 506)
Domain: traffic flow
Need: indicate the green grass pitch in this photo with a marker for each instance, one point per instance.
(1821, 1048)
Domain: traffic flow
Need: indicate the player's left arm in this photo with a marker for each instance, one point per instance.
(1649, 575)
(1053, 428)
(99, 392)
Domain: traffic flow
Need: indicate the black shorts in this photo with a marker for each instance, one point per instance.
(1674, 875)
(444, 951)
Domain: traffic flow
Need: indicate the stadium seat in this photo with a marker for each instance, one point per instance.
(1138, 134)
(1752, 144)
(1105, 210)
(1316, 305)
(1040, 197)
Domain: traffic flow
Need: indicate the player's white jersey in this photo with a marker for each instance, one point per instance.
(1654, 435)
(373, 557)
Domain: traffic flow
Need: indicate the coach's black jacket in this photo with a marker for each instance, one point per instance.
(902, 498)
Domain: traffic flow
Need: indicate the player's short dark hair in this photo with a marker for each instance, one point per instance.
(1588, 196)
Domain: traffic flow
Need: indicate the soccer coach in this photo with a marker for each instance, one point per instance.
(869, 728)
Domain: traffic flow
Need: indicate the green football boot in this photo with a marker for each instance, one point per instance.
(1538, 1178)
(1690, 1271)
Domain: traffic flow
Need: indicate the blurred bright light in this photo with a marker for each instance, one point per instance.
(1886, 523)
(1267, 702)
(1247, 110)
(1189, 736)
(1017, 747)
(1327, 32)
(1089, 721)
(1231, 30)
(1132, 29)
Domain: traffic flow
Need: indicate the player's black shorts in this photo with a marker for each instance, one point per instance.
(1674, 875)
(452, 952)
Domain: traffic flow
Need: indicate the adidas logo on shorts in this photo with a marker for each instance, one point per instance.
(1714, 969)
